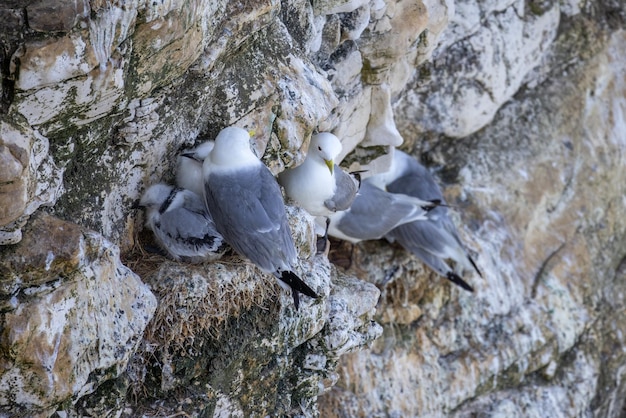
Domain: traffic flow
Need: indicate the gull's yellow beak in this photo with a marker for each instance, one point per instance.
(330, 164)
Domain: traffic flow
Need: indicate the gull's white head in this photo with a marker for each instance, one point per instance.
(200, 152)
(324, 148)
(161, 197)
(189, 168)
(232, 148)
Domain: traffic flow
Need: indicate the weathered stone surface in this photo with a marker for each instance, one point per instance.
(224, 334)
(166, 47)
(482, 71)
(14, 154)
(366, 70)
(45, 63)
(13, 19)
(530, 341)
(532, 93)
(50, 16)
(72, 315)
(29, 178)
(52, 249)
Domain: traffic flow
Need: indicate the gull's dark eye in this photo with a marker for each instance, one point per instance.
(319, 148)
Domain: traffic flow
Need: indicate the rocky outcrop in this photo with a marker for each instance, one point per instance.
(72, 316)
(29, 179)
(517, 106)
(540, 190)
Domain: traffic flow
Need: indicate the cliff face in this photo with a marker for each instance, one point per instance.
(518, 107)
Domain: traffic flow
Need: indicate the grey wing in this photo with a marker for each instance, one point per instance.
(194, 202)
(187, 233)
(271, 198)
(427, 236)
(248, 210)
(422, 187)
(345, 193)
(431, 260)
(375, 212)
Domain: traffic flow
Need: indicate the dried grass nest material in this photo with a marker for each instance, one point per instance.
(195, 299)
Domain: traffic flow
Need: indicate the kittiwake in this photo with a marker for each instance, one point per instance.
(436, 239)
(247, 207)
(374, 213)
(189, 167)
(319, 185)
(181, 224)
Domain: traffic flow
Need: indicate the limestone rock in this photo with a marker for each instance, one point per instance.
(532, 340)
(225, 333)
(15, 155)
(516, 106)
(72, 316)
(29, 178)
(40, 66)
(485, 69)
(50, 16)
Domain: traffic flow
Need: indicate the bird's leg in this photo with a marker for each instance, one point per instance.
(322, 242)
(352, 246)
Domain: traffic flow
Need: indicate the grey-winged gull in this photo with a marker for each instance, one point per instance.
(374, 213)
(247, 207)
(435, 240)
(319, 185)
(181, 224)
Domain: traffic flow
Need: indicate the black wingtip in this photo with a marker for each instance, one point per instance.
(297, 285)
(435, 203)
(475, 266)
(357, 175)
(321, 244)
(456, 279)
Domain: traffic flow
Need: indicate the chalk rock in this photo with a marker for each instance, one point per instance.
(29, 178)
(547, 316)
(52, 16)
(222, 325)
(72, 316)
(516, 107)
(481, 71)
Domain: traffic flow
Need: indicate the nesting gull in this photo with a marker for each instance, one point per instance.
(189, 167)
(181, 224)
(436, 239)
(374, 213)
(318, 185)
(247, 207)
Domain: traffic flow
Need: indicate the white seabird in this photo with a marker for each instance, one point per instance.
(181, 225)
(189, 167)
(318, 185)
(247, 207)
(436, 239)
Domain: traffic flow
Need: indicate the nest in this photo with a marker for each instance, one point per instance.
(196, 299)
